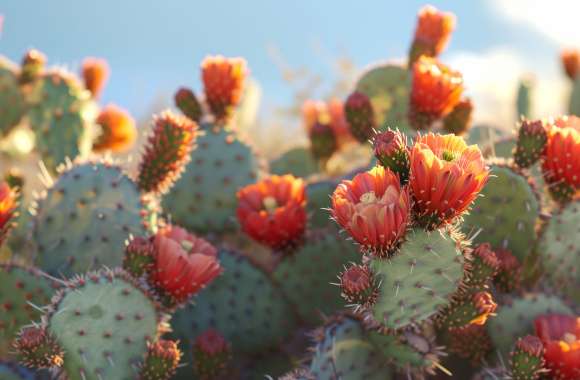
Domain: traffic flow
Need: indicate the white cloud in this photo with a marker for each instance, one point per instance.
(491, 80)
(556, 19)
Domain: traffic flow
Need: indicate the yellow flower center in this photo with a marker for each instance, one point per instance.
(187, 245)
(270, 204)
(448, 155)
(369, 197)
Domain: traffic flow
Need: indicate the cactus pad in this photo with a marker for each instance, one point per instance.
(574, 104)
(242, 304)
(388, 86)
(344, 352)
(516, 318)
(204, 198)
(318, 202)
(12, 103)
(559, 247)
(60, 114)
(20, 288)
(14, 371)
(103, 322)
(506, 213)
(298, 162)
(419, 280)
(305, 276)
(85, 218)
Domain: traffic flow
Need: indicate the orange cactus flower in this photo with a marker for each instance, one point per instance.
(435, 91)
(560, 335)
(374, 209)
(561, 157)
(273, 211)
(446, 176)
(7, 209)
(571, 62)
(184, 264)
(433, 32)
(118, 130)
(95, 73)
(223, 79)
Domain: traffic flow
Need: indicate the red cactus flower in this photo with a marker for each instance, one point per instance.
(212, 355)
(313, 112)
(446, 176)
(374, 209)
(118, 131)
(7, 209)
(392, 152)
(95, 73)
(571, 62)
(184, 263)
(338, 122)
(360, 116)
(561, 157)
(435, 91)
(358, 285)
(223, 79)
(273, 211)
(433, 32)
(560, 335)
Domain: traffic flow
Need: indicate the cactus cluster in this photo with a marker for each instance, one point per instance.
(437, 251)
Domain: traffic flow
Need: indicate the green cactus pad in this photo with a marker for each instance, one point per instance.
(344, 352)
(14, 371)
(12, 103)
(20, 288)
(298, 162)
(506, 213)
(388, 86)
(574, 104)
(559, 249)
(516, 318)
(103, 322)
(419, 280)
(305, 276)
(409, 352)
(85, 219)
(204, 198)
(242, 304)
(318, 194)
(523, 99)
(61, 114)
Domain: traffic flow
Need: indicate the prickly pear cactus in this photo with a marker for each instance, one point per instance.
(559, 249)
(61, 115)
(506, 212)
(20, 289)
(343, 351)
(306, 276)
(388, 86)
(515, 318)
(419, 280)
(204, 198)
(102, 322)
(85, 218)
(410, 352)
(574, 105)
(12, 103)
(298, 162)
(318, 194)
(242, 304)
(523, 98)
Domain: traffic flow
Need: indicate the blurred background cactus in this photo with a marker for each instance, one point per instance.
(414, 219)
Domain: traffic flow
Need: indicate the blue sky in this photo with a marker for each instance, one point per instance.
(153, 46)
